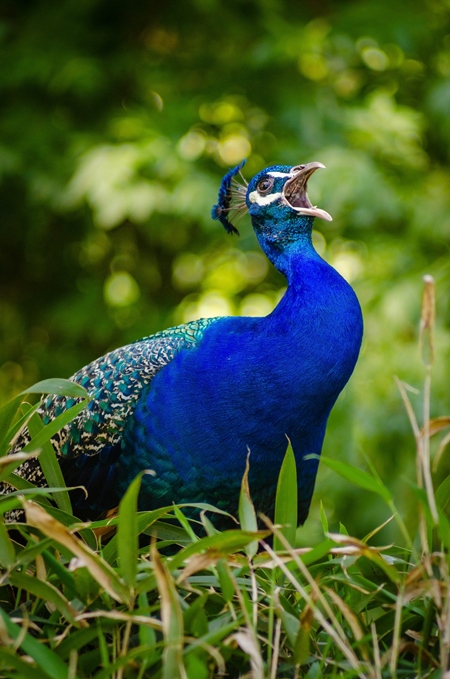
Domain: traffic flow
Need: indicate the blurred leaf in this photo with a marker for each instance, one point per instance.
(323, 518)
(23, 668)
(442, 493)
(437, 424)
(302, 645)
(226, 583)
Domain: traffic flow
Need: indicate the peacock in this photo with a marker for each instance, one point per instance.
(191, 402)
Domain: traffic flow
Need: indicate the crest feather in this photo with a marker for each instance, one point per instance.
(231, 198)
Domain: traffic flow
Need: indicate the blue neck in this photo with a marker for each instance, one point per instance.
(285, 245)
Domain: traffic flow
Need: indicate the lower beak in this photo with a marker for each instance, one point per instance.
(295, 191)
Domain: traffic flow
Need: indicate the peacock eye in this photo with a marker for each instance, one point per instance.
(264, 185)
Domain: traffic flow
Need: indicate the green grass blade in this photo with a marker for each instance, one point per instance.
(10, 462)
(286, 502)
(17, 426)
(46, 592)
(247, 514)
(49, 663)
(127, 532)
(7, 551)
(144, 521)
(50, 465)
(358, 477)
(442, 493)
(57, 386)
(98, 568)
(226, 584)
(227, 542)
(7, 415)
(54, 426)
(172, 620)
(20, 668)
(21, 484)
(8, 411)
(323, 518)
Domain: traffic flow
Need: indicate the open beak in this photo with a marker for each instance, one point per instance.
(295, 194)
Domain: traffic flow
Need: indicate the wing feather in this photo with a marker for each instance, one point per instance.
(114, 383)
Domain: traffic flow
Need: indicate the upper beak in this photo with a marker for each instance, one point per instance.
(295, 191)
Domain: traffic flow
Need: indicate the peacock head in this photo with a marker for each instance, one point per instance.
(277, 201)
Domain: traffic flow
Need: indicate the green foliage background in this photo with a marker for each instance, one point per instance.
(117, 123)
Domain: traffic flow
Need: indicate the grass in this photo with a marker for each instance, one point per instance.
(146, 594)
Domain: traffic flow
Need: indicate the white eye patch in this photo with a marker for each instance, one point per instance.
(278, 174)
(254, 197)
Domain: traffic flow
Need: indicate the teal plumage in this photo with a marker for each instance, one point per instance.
(189, 402)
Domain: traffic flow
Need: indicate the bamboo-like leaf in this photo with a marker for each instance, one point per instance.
(144, 521)
(45, 591)
(147, 635)
(323, 518)
(358, 477)
(444, 532)
(302, 646)
(7, 415)
(286, 502)
(128, 532)
(443, 493)
(226, 584)
(290, 622)
(247, 514)
(172, 620)
(228, 542)
(58, 386)
(23, 669)
(50, 465)
(20, 483)
(48, 662)
(65, 577)
(8, 503)
(54, 426)
(359, 548)
(184, 523)
(80, 637)
(19, 424)
(99, 569)
(8, 412)
(7, 551)
(9, 463)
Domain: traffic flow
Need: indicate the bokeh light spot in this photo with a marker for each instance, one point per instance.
(375, 58)
(121, 289)
(234, 148)
(256, 304)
